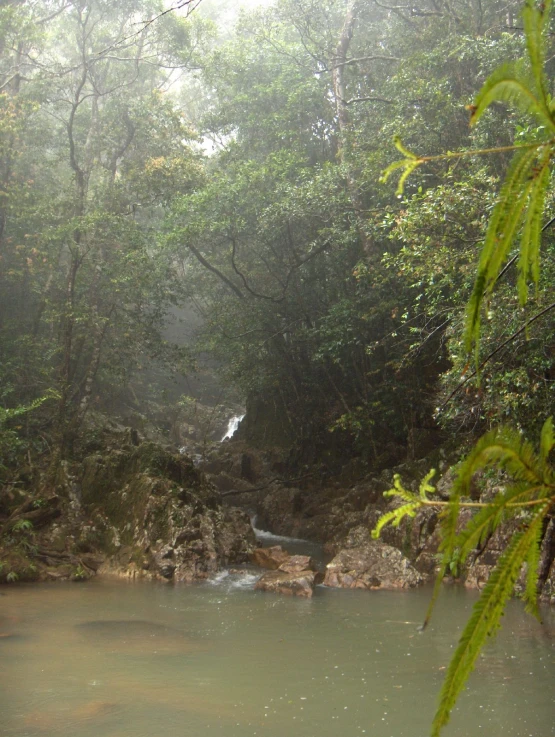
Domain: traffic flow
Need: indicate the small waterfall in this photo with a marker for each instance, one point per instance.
(232, 427)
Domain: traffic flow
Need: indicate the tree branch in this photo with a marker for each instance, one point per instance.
(495, 352)
(216, 271)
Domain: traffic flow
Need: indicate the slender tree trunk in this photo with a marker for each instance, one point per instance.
(344, 123)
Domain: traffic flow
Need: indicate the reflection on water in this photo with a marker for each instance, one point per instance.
(111, 659)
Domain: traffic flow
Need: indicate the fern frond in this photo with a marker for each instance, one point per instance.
(399, 490)
(533, 20)
(402, 149)
(530, 594)
(487, 520)
(8, 414)
(505, 449)
(408, 165)
(448, 527)
(485, 617)
(547, 440)
(529, 263)
(503, 226)
(425, 487)
(395, 517)
(510, 84)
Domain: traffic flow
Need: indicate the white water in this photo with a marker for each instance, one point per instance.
(237, 579)
(244, 578)
(232, 427)
(293, 545)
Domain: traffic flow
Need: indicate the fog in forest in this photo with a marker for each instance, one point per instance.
(260, 263)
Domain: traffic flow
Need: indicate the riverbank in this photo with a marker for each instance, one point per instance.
(135, 509)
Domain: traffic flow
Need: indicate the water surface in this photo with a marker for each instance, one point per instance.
(118, 659)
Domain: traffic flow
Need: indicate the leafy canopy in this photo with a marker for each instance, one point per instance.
(529, 492)
(520, 205)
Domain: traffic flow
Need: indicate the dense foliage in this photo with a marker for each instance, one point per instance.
(338, 303)
(149, 164)
(150, 160)
(528, 492)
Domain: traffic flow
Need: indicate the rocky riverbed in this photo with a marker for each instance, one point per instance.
(339, 513)
(132, 508)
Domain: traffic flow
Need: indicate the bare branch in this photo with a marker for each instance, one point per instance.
(370, 98)
(500, 347)
(207, 265)
(191, 6)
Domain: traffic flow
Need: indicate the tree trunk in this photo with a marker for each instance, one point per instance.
(344, 123)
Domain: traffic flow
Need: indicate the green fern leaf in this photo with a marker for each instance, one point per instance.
(528, 264)
(405, 151)
(485, 617)
(448, 527)
(533, 20)
(503, 225)
(547, 440)
(510, 84)
(425, 487)
(503, 448)
(395, 517)
(399, 490)
(530, 595)
(487, 520)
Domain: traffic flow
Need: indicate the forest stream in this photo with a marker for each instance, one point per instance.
(145, 659)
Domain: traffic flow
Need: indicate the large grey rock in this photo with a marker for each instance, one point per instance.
(154, 514)
(372, 565)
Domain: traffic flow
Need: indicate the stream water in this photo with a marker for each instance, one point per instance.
(117, 659)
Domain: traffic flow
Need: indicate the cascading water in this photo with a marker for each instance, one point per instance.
(232, 427)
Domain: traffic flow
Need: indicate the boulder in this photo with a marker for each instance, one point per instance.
(297, 564)
(299, 583)
(271, 558)
(152, 513)
(373, 565)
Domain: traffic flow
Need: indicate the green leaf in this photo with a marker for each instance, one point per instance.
(528, 264)
(395, 517)
(485, 617)
(503, 225)
(425, 487)
(533, 20)
(509, 84)
(409, 165)
(547, 440)
(530, 594)
(399, 146)
(481, 525)
(502, 448)
(448, 526)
